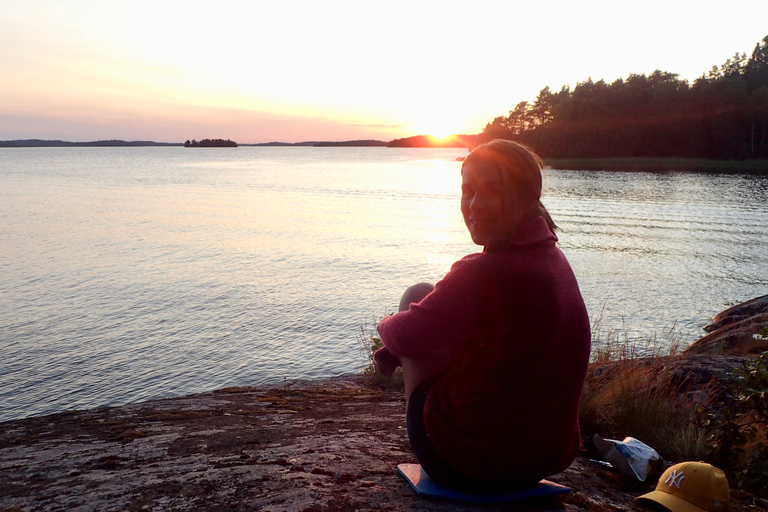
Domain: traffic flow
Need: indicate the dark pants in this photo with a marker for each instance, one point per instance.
(431, 461)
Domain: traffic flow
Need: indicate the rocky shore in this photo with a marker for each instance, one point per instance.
(305, 446)
(330, 445)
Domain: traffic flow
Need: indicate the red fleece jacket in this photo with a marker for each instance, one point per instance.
(507, 409)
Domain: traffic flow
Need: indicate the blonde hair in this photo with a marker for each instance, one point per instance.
(520, 169)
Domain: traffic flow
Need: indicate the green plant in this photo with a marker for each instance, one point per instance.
(369, 342)
(752, 387)
(738, 425)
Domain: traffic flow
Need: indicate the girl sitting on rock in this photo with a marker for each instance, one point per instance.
(494, 355)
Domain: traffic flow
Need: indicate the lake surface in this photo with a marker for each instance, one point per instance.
(135, 273)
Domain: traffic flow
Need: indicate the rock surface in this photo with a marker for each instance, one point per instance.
(313, 446)
(742, 329)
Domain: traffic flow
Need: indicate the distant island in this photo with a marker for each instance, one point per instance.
(315, 143)
(210, 143)
(37, 143)
(351, 143)
(417, 141)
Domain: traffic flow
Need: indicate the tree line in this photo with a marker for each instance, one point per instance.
(721, 115)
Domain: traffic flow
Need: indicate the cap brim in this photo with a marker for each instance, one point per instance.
(670, 501)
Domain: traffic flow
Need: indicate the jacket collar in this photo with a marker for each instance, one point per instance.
(532, 232)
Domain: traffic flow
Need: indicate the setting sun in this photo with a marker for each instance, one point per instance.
(439, 127)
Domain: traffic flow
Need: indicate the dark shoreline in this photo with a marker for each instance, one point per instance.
(628, 164)
(658, 164)
(38, 143)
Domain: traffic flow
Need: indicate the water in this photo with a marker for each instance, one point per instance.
(135, 273)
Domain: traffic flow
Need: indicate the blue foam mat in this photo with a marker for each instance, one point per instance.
(424, 486)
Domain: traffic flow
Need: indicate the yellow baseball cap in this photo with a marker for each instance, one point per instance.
(691, 487)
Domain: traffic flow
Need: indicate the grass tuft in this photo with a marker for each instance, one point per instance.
(631, 391)
(369, 342)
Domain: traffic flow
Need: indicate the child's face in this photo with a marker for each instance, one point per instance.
(482, 201)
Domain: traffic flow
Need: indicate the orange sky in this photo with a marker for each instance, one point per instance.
(294, 71)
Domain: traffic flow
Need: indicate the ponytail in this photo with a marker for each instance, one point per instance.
(547, 217)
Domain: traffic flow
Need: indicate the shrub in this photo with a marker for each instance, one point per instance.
(738, 425)
(630, 391)
(638, 398)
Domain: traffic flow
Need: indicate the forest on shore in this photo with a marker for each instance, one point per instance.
(721, 115)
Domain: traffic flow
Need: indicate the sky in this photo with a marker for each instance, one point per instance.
(280, 70)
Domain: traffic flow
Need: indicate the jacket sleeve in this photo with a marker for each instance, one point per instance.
(444, 318)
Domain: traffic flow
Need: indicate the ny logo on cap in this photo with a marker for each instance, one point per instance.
(674, 478)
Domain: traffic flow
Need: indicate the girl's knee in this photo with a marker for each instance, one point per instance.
(414, 294)
(432, 364)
